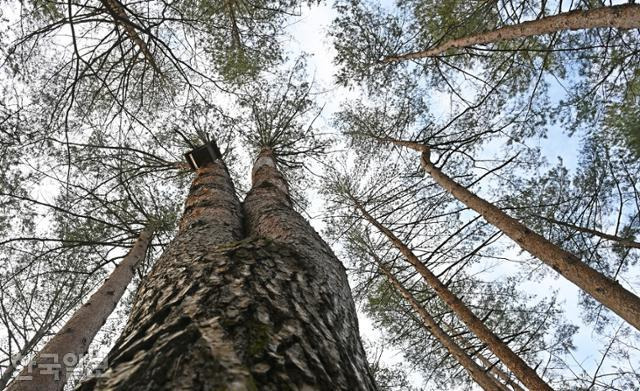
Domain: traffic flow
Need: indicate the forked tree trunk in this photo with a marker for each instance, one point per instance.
(219, 312)
(605, 290)
(57, 359)
(516, 365)
(476, 372)
(626, 16)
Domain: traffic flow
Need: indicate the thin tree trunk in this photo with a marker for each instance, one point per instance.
(219, 312)
(524, 372)
(475, 371)
(324, 345)
(625, 16)
(60, 355)
(499, 373)
(605, 290)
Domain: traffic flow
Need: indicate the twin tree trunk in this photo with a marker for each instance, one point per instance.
(50, 368)
(625, 16)
(268, 309)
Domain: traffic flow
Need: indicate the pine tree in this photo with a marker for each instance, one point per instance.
(607, 291)
(49, 370)
(524, 372)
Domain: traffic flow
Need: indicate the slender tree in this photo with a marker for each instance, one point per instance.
(624, 16)
(49, 370)
(455, 341)
(475, 371)
(524, 372)
(456, 350)
(595, 67)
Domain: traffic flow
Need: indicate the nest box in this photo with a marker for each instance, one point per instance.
(202, 155)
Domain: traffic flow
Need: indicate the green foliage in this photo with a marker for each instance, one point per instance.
(624, 120)
(363, 34)
(387, 377)
(47, 9)
(242, 36)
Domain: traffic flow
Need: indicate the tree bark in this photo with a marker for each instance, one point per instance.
(475, 371)
(219, 312)
(520, 369)
(625, 16)
(49, 370)
(325, 347)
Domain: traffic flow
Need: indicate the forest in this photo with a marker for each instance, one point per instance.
(322, 195)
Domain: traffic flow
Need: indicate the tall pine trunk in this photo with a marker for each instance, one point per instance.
(220, 312)
(517, 365)
(625, 16)
(50, 368)
(476, 372)
(605, 290)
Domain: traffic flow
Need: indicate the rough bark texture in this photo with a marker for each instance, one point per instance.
(626, 16)
(475, 371)
(607, 291)
(60, 355)
(212, 204)
(520, 369)
(221, 313)
(329, 344)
